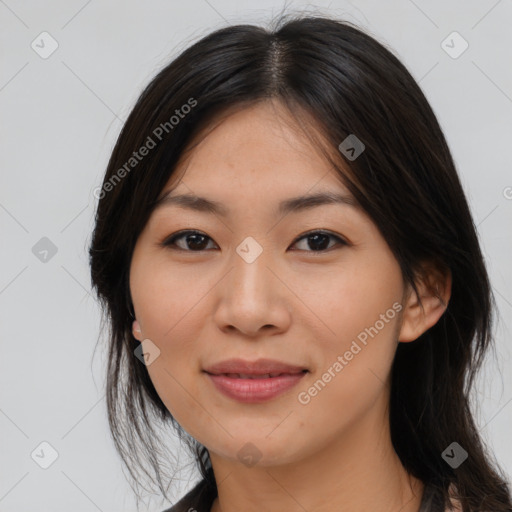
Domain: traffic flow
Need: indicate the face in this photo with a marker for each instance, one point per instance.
(315, 287)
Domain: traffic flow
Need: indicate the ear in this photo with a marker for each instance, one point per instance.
(137, 334)
(434, 286)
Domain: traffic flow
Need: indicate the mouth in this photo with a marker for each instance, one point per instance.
(252, 388)
(257, 376)
(261, 368)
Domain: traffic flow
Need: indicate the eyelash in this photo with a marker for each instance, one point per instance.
(169, 242)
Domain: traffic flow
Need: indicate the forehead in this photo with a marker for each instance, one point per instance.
(257, 151)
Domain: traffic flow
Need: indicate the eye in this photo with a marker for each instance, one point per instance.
(195, 241)
(319, 240)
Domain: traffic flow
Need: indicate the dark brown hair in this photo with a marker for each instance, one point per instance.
(333, 73)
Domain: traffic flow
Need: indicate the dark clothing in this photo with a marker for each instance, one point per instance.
(201, 497)
(198, 499)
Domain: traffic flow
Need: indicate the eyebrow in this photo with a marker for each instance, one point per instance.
(294, 204)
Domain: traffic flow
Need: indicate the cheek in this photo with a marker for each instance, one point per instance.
(167, 305)
(374, 284)
(165, 299)
(354, 296)
(361, 310)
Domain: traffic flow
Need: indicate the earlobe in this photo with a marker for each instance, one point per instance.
(136, 330)
(434, 288)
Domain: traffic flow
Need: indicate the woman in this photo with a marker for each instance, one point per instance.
(303, 375)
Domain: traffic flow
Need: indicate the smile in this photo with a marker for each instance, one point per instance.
(255, 388)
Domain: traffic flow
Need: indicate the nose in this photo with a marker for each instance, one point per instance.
(253, 300)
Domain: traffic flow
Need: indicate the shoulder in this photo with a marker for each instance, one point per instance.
(433, 500)
(198, 499)
(456, 506)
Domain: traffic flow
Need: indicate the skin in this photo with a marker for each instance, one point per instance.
(294, 303)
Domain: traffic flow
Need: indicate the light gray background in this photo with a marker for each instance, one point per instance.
(60, 119)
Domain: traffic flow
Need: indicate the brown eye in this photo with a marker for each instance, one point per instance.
(318, 241)
(194, 241)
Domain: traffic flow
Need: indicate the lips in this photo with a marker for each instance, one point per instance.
(254, 381)
(254, 376)
(255, 390)
(261, 368)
